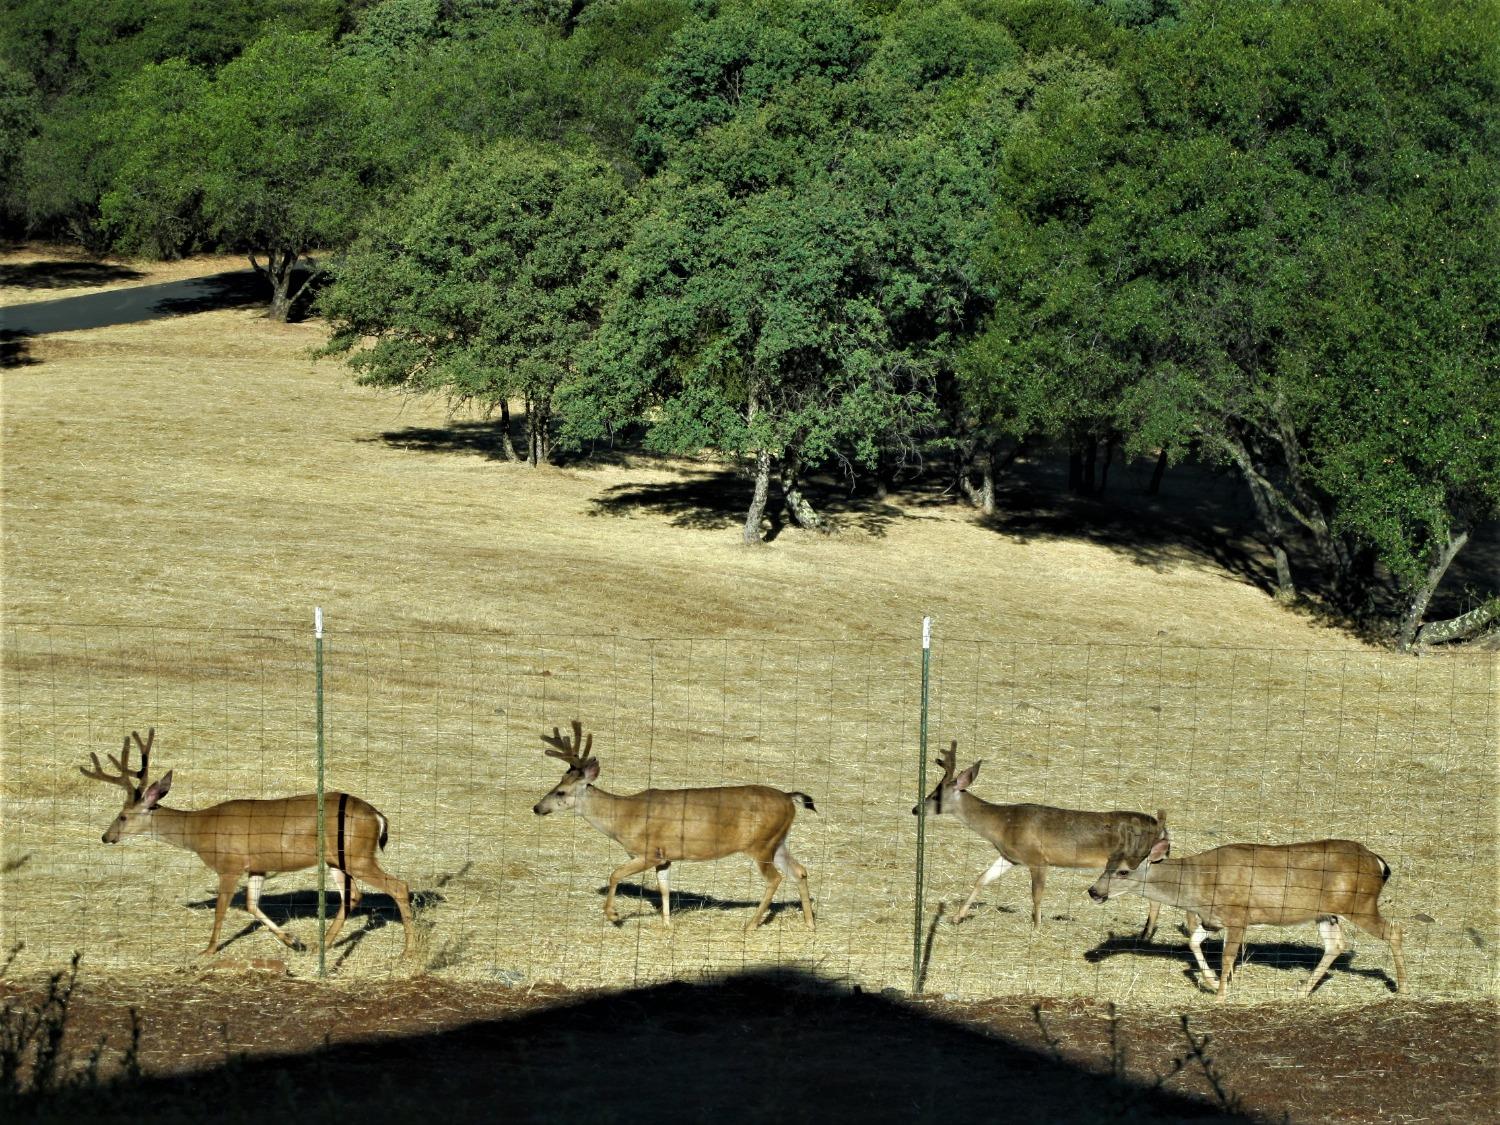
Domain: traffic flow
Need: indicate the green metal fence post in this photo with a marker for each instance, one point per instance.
(916, 928)
(322, 823)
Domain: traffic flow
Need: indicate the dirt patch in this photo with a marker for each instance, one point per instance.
(749, 1047)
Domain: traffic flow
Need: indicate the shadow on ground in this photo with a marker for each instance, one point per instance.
(755, 1047)
(374, 911)
(1290, 957)
(15, 349)
(62, 273)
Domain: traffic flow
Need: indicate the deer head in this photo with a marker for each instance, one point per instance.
(1132, 860)
(583, 768)
(944, 798)
(140, 798)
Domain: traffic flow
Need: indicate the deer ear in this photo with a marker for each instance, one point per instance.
(966, 779)
(590, 772)
(1160, 849)
(157, 790)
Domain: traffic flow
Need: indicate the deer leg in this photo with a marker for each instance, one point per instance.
(344, 884)
(633, 867)
(1234, 937)
(1333, 945)
(228, 880)
(400, 894)
(991, 873)
(1149, 932)
(1195, 943)
(788, 865)
(1038, 881)
(664, 885)
(772, 875)
(252, 904)
(1388, 932)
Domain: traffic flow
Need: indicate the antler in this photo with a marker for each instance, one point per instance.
(569, 751)
(122, 764)
(948, 759)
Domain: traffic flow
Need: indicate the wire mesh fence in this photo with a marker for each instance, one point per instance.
(440, 732)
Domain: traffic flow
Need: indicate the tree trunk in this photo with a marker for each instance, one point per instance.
(278, 270)
(1270, 517)
(507, 447)
(538, 430)
(803, 514)
(762, 490)
(1423, 594)
(1460, 627)
(1156, 474)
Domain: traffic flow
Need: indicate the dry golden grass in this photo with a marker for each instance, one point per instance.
(179, 494)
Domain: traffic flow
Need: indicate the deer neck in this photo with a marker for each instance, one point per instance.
(600, 809)
(174, 826)
(1165, 882)
(974, 811)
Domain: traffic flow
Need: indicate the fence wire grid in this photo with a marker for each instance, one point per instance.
(441, 731)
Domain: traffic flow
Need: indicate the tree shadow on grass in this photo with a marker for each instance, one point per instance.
(481, 437)
(62, 273)
(15, 349)
(758, 1046)
(1198, 516)
(715, 499)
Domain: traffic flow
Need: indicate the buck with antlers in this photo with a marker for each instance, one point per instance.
(1240, 885)
(1034, 836)
(659, 826)
(257, 838)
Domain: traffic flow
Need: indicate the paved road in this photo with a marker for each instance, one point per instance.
(141, 302)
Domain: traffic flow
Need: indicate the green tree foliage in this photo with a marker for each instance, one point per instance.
(1200, 257)
(77, 53)
(484, 284)
(464, 75)
(800, 272)
(273, 156)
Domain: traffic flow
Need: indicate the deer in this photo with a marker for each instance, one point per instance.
(1034, 836)
(657, 827)
(1236, 886)
(256, 838)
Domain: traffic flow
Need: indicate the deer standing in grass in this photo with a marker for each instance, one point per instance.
(1240, 885)
(659, 826)
(257, 838)
(1034, 836)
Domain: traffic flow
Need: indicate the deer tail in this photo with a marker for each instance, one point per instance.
(803, 800)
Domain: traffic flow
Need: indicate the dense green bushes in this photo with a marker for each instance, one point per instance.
(813, 234)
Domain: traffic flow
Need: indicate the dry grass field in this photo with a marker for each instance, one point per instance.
(180, 493)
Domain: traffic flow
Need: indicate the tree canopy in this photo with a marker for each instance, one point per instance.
(830, 237)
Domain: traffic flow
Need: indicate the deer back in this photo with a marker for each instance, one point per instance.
(1041, 835)
(1276, 884)
(671, 824)
(278, 834)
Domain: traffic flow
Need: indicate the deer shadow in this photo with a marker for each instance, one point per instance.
(378, 910)
(1287, 956)
(684, 902)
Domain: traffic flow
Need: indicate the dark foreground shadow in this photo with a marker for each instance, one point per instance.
(754, 1048)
